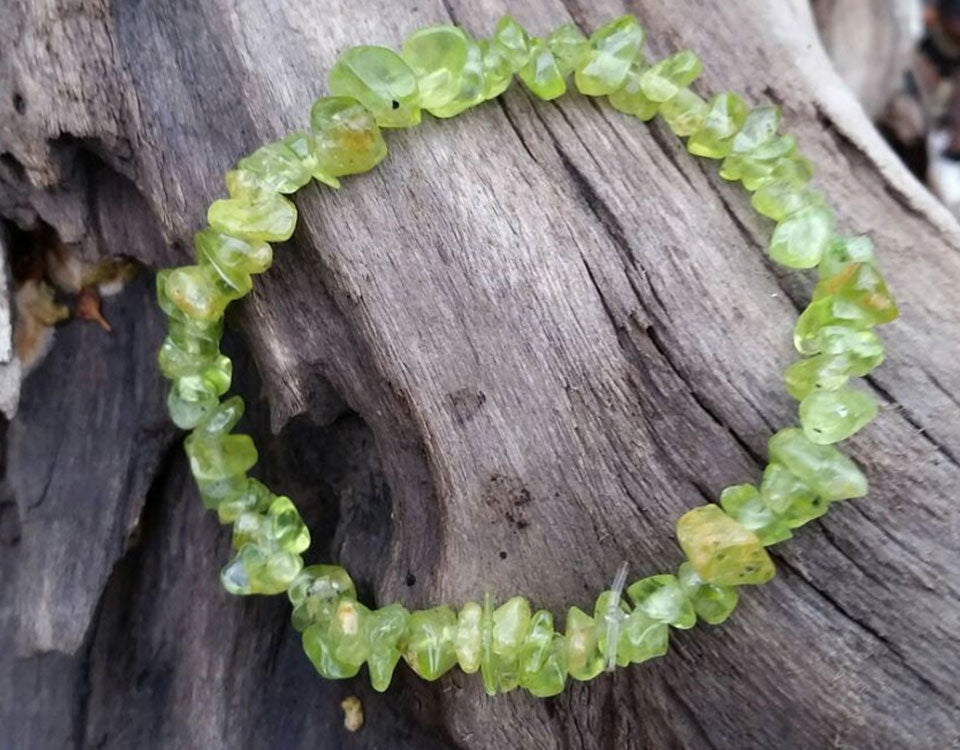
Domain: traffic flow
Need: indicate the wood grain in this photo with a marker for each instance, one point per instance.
(511, 356)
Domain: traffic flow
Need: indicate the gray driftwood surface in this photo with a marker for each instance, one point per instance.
(511, 356)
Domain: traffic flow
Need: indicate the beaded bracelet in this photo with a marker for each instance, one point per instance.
(443, 71)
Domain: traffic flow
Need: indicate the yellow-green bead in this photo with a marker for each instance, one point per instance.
(386, 629)
(251, 496)
(800, 239)
(779, 199)
(551, 677)
(759, 128)
(510, 622)
(726, 114)
(320, 648)
(275, 168)
(666, 78)
(712, 603)
(569, 46)
(742, 502)
(862, 286)
(536, 645)
(642, 637)
(786, 494)
(584, 658)
(661, 598)
(469, 641)
(541, 74)
(472, 88)
(829, 473)
(437, 56)
(429, 649)
(831, 416)
(613, 47)
(198, 291)
(381, 81)
(512, 41)
(497, 71)
(265, 218)
(316, 592)
(821, 372)
(630, 99)
(220, 457)
(684, 113)
(722, 550)
(845, 250)
(256, 570)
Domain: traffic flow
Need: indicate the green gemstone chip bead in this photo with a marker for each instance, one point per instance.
(386, 629)
(721, 550)
(726, 114)
(662, 599)
(468, 642)
(842, 251)
(800, 239)
(264, 218)
(430, 650)
(743, 503)
(612, 48)
(684, 113)
(472, 89)
(275, 168)
(664, 80)
(759, 128)
(712, 603)
(497, 70)
(437, 56)
(829, 473)
(512, 41)
(831, 416)
(630, 99)
(347, 137)
(569, 46)
(381, 81)
(584, 658)
(541, 74)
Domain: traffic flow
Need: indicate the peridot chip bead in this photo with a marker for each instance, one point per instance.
(712, 603)
(437, 56)
(864, 349)
(666, 78)
(785, 493)
(223, 419)
(510, 622)
(234, 259)
(743, 503)
(826, 313)
(829, 473)
(684, 113)
(191, 399)
(257, 570)
(216, 492)
(512, 41)
(722, 550)
(569, 46)
(610, 612)
(778, 199)
(468, 642)
(831, 416)
(429, 649)
(612, 49)
(845, 250)
(264, 218)
(800, 239)
(497, 70)
(275, 168)
(252, 495)
(541, 74)
(176, 360)
(584, 658)
(320, 647)
(661, 598)
(826, 372)
(629, 98)
(536, 646)
(198, 292)
(860, 285)
(760, 127)
(551, 677)
(642, 637)
(219, 457)
(381, 81)
(472, 89)
(348, 140)
(386, 628)
(726, 114)
(316, 592)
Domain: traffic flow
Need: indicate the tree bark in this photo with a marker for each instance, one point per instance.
(511, 356)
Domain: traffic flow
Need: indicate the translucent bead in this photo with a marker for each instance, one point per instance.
(829, 473)
(863, 349)
(472, 88)
(267, 218)
(610, 612)
(759, 128)
(320, 647)
(726, 114)
(551, 677)
(845, 250)
(316, 592)
(252, 496)
(665, 79)
(510, 622)
(381, 81)
(612, 49)
(468, 642)
(232, 258)
(223, 419)
(276, 168)
(785, 493)
(386, 629)
(712, 603)
(348, 633)
(430, 650)
(256, 570)
(684, 113)
(661, 598)
(831, 416)
(642, 637)
(176, 361)
(189, 406)
(630, 99)
(536, 647)
(584, 658)
(743, 503)
(826, 311)
(860, 285)
(779, 199)
(437, 56)
(220, 457)
(800, 239)
(826, 372)
(541, 74)
(758, 164)
(569, 47)
(721, 549)
(198, 292)
(512, 41)
(347, 137)
(497, 71)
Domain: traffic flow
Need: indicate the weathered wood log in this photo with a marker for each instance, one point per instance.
(511, 356)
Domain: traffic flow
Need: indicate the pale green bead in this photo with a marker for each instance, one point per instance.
(756, 166)
(825, 313)
(320, 648)
(712, 603)
(642, 637)
(829, 473)
(666, 78)
(497, 71)
(661, 598)
(779, 199)
(800, 239)
(286, 529)
(232, 258)
(861, 286)
(304, 146)
(316, 592)
(541, 74)
(348, 140)
(726, 114)
(198, 292)
(743, 503)
(793, 167)
(275, 169)
(513, 42)
(551, 677)
(247, 529)
(722, 550)
(863, 349)
(759, 129)
(536, 646)
(845, 250)
(215, 493)
(429, 649)
(613, 47)
(175, 360)
(468, 642)
(437, 56)
(221, 456)
(510, 622)
(386, 629)
(347, 633)
(630, 99)
(489, 664)
(472, 88)
(785, 493)
(267, 218)
(223, 419)
(584, 658)
(253, 496)
(569, 47)
(684, 113)
(826, 372)
(381, 81)
(256, 570)
(831, 416)
(188, 407)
